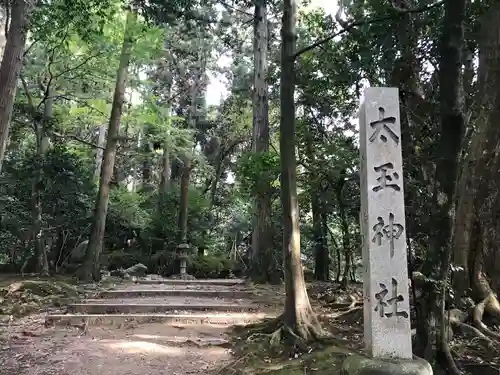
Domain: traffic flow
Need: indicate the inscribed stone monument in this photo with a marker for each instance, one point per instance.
(387, 329)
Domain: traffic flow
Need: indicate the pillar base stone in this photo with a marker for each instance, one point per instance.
(359, 365)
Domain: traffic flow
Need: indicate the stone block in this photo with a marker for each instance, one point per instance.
(359, 365)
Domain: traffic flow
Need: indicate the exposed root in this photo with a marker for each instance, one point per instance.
(490, 304)
(352, 310)
(451, 364)
(266, 326)
(280, 334)
(467, 329)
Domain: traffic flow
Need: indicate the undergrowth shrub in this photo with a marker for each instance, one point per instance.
(123, 259)
(209, 266)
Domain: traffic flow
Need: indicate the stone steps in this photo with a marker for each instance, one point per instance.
(141, 308)
(209, 293)
(207, 282)
(165, 301)
(226, 319)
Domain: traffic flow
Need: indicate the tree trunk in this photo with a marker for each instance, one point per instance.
(147, 166)
(92, 264)
(184, 199)
(101, 139)
(4, 24)
(477, 229)
(165, 170)
(321, 254)
(165, 158)
(12, 63)
(214, 184)
(298, 315)
(262, 266)
(42, 145)
(186, 169)
(449, 146)
(344, 224)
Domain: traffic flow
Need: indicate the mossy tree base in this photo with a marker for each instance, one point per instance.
(282, 335)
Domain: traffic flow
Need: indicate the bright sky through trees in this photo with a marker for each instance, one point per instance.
(217, 90)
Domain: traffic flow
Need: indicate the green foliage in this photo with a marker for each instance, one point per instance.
(210, 266)
(52, 19)
(67, 206)
(178, 43)
(127, 209)
(123, 259)
(165, 219)
(255, 169)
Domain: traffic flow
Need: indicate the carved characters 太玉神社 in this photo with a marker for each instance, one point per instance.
(392, 231)
(387, 177)
(389, 307)
(382, 129)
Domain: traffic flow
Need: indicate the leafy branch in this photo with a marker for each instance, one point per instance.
(349, 26)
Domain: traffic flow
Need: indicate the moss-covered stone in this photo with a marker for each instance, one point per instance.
(359, 365)
(28, 296)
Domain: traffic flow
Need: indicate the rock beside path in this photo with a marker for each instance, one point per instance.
(138, 270)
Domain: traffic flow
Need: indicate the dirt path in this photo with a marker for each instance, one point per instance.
(124, 347)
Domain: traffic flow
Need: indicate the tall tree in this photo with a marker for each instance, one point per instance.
(261, 255)
(12, 63)
(94, 248)
(298, 315)
(447, 163)
(186, 169)
(476, 224)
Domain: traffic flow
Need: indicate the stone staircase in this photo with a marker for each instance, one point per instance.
(168, 301)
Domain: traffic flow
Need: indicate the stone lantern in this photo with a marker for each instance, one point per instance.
(182, 255)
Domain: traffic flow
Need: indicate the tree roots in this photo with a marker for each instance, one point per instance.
(280, 335)
(492, 306)
(478, 329)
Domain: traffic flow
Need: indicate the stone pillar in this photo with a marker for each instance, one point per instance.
(387, 329)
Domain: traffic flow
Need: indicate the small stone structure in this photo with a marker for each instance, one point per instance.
(183, 250)
(387, 328)
(182, 254)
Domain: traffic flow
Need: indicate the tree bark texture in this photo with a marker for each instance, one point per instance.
(184, 199)
(477, 229)
(298, 314)
(94, 248)
(12, 62)
(101, 142)
(321, 253)
(447, 168)
(186, 166)
(262, 264)
(42, 146)
(165, 170)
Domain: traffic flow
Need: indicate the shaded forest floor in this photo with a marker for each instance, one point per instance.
(29, 346)
(341, 313)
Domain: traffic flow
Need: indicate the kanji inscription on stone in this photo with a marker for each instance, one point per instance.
(388, 307)
(388, 177)
(382, 127)
(390, 231)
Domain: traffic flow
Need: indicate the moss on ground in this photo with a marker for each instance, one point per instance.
(23, 297)
(255, 360)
